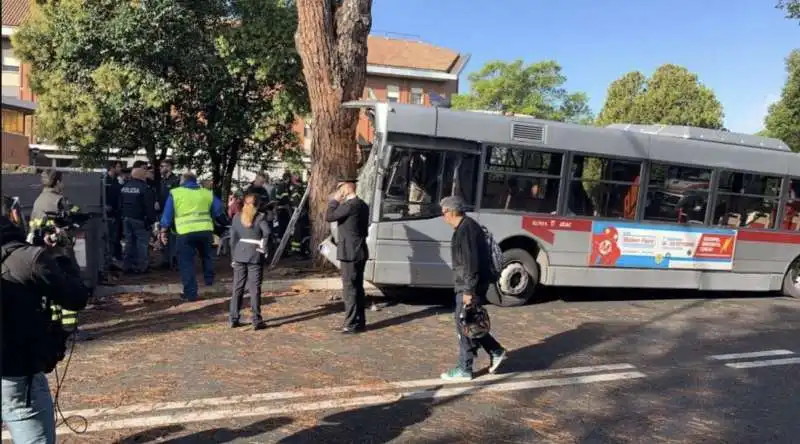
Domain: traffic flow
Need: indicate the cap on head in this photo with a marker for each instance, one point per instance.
(346, 179)
(455, 204)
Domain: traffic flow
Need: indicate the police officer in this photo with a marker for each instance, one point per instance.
(352, 217)
(192, 209)
(137, 208)
(32, 278)
(52, 200)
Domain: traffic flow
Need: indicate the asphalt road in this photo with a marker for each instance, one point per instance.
(614, 367)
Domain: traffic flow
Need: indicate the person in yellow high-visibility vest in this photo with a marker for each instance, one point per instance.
(192, 209)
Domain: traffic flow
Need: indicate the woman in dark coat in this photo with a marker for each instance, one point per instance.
(249, 240)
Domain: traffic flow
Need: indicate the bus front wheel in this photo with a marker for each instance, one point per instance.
(791, 282)
(518, 279)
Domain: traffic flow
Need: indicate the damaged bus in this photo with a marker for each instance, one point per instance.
(641, 206)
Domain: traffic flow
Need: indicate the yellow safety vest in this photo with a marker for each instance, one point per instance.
(192, 209)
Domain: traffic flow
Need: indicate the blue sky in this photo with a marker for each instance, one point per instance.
(737, 47)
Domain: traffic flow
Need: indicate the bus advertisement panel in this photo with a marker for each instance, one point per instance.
(632, 245)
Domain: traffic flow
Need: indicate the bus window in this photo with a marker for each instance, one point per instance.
(791, 216)
(603, 187)
(459, 177)
(747, 200)
(677, 194)
(417, 179)
(519, 179)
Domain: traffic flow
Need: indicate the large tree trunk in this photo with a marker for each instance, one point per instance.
(332, 41)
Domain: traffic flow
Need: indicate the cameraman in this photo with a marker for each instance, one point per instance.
(52, 200)
(33, 279)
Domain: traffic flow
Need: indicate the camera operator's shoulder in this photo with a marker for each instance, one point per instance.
(22, 259)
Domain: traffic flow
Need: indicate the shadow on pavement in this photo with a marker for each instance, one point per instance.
(685, 396)
(153, 315)
(216, 435)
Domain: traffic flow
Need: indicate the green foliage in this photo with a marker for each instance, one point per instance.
(536, 90)
(213, 81)
(783, 118)
(672, 96)
(791, 7)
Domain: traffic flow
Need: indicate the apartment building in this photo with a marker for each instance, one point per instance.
(404, 71)
(17, 100)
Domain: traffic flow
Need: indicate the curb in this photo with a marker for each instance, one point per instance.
(318, 284)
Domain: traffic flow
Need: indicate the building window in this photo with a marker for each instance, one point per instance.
(603, 187)
(307, 131)
(13, 122)
(64, 163)
(370, 93)
(519, 179)
(392, 93)
(10, 62)
(417, 96)
(746, 200)
(677, 194)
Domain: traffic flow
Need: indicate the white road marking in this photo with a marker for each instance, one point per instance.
(364, 388)
(365, 401)
(759, 354)
(766, 363)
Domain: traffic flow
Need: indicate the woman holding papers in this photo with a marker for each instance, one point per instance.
(249, 239)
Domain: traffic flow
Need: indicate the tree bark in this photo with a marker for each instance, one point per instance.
(332, 41)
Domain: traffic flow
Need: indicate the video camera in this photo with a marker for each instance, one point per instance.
(57, 226)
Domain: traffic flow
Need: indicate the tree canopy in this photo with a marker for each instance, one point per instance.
(213, 81)
(792, 8)
(671, 96)
(536, 90)
(783, 118)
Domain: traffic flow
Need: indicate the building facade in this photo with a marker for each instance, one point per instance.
(17, 100)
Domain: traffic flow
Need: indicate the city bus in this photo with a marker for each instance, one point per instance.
(641, 206)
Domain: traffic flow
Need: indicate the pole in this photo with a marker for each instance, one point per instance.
(289, 229)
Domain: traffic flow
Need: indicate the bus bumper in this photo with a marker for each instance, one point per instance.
(328, 250)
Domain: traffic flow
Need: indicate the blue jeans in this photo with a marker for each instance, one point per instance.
(29, 422)
(187, 244)
(137, 243)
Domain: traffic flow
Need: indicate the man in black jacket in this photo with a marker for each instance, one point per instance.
(351, 215)
(137, 208)
(472, 276)
(33, 279)
(169, 180)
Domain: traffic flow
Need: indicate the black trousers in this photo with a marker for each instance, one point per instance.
(353, 294)
(246, 276)
(468, 348)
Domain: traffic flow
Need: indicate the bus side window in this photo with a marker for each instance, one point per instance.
(791, 215)
(747, 201)
(677, 194)
(521, 179)
(604, 187)
(410, 184)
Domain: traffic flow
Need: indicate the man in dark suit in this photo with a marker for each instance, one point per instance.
(352, 217)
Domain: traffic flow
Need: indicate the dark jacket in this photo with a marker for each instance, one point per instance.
(48, 201)
(167, 184)
(29, 273)
(137, 201)
(113, 188)
(245, 252)
(471, 260)
(352, 219)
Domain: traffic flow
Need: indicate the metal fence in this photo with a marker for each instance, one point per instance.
(84, 189)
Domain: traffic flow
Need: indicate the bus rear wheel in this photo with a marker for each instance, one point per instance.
(791, 282)
(518, 279)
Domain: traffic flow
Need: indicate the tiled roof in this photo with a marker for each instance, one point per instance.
(15, 12)
(386, 51)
